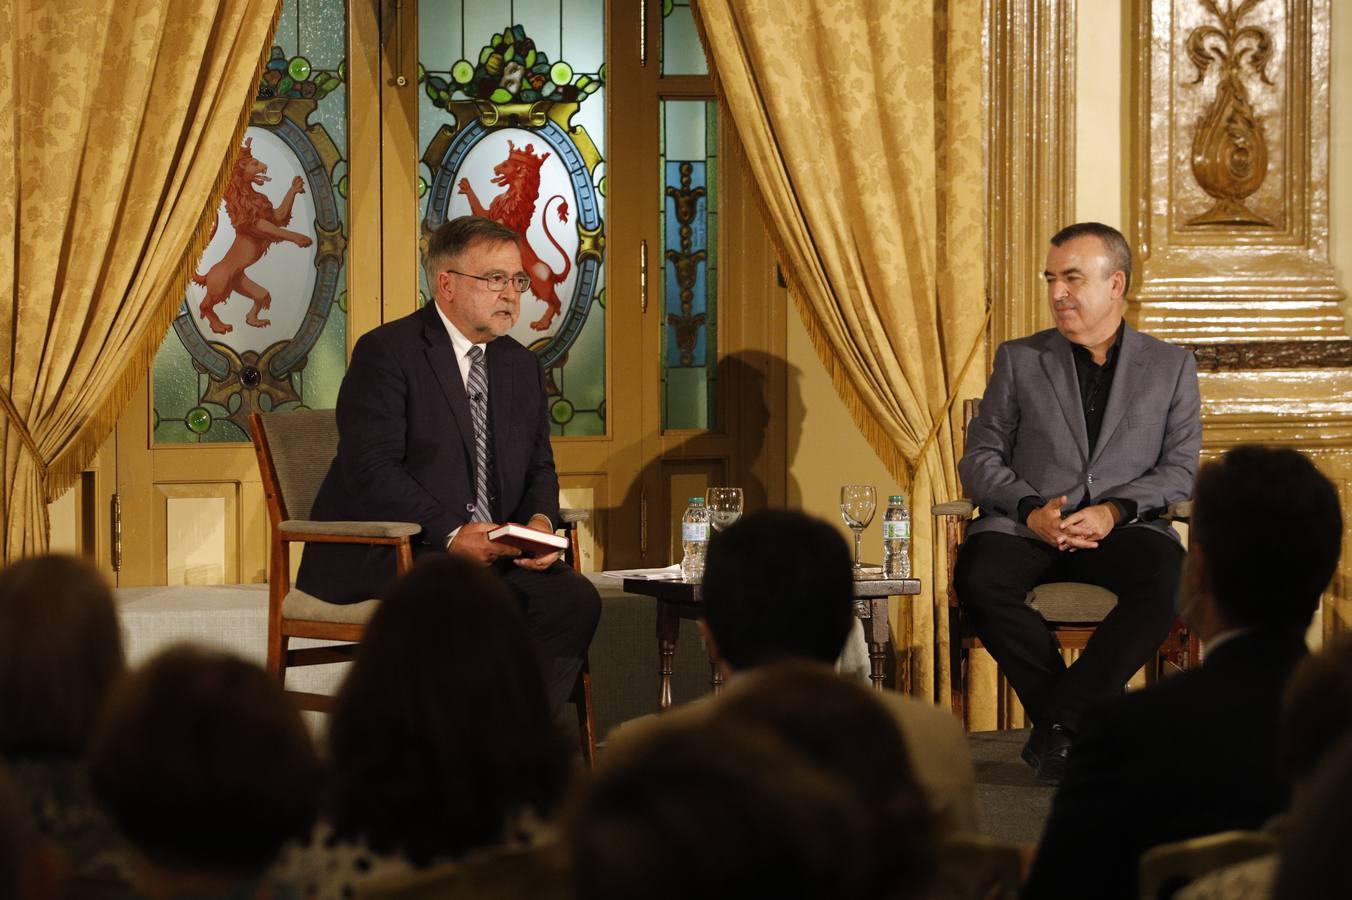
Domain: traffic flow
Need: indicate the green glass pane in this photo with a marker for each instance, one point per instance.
(682, 52)
(688, 216)
(262, 326)
(439, 33)
(174, 432)
(547, 55)
(685, 125)
(687, 394)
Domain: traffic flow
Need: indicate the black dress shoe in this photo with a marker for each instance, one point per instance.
(1034, 747)
(1051, 766)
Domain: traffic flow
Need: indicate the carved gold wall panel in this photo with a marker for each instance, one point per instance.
(1307, 409)
(1229, 170)
(1229, 146)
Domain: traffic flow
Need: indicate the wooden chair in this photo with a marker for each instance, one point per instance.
(1167, 868)
(1072, 610)
(294, 452)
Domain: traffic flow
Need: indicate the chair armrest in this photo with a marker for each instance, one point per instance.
(569, 518)
(961, 509)
(1178, 511)
(303, 529)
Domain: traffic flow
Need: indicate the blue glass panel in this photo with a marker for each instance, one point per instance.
(689, 274)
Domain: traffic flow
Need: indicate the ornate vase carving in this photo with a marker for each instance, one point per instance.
(1229, 151)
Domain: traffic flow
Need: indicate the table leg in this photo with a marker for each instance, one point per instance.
(877, 658)
(668, 630)
(877, 641)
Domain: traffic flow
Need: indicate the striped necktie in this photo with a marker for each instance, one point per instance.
(477, 390)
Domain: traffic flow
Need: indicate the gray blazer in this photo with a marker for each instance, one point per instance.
(1029, 437)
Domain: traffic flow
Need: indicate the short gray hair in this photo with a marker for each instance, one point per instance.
(1119, 251)
(457, 235)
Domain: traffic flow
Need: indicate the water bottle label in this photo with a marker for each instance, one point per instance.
(896, 530)
(694, 531)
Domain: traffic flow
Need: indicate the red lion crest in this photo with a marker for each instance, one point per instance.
(519, 173)
(257, 227)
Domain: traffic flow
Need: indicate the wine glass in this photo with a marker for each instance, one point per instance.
(857, 505)
(724, 505)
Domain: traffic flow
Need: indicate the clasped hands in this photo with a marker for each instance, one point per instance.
(472, 541)
(1081, 530)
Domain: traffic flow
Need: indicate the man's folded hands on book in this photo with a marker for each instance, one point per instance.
(534, 546)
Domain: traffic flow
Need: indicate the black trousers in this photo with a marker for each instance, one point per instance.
(561, 609)
(995, 572)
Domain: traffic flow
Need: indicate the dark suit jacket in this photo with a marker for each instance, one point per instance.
(1029, 437)
(1192, 756)
(406, 449)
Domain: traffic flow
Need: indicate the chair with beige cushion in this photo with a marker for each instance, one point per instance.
(1071, 609)
(294, 452)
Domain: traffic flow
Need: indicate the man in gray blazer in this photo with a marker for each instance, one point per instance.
(1086, 433)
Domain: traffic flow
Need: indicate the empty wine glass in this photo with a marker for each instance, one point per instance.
(857, 505)
(724, 505)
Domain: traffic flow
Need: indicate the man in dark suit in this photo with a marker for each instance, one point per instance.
(443, 421)
(1197, 754)
(1085, 434)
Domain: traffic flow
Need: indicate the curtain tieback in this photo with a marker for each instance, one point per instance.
(7, 406)
(940, 419)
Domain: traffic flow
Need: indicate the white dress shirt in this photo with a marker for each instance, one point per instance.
(461, 345)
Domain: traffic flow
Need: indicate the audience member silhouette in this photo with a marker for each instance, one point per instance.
(1316, 716)
(842, 729)
(441, 740)
(15, 838)
(1198, 753)
(28, 869)
(207, 770)
(1313, 863)
(778, 586)
(60, 655)
(717, 809)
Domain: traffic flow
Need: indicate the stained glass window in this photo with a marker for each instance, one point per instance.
(264, 322)
(512, 125)
(682, 52)
(689, 166)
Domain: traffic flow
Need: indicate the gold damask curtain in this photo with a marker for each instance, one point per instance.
(862, 122)
(117, 122)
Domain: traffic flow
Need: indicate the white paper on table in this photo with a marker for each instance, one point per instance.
(670, 573)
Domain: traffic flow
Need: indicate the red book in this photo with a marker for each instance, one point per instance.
(529, 541)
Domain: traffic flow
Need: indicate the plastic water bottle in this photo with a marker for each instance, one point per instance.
(897, 538)
(694, 540)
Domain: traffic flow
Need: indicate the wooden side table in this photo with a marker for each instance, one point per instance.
(678, 600)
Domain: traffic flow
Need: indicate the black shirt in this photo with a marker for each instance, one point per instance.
(1096, 382)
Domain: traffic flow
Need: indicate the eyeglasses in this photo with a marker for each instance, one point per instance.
(497, 281)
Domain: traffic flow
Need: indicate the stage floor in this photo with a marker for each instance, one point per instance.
(1012, 803)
